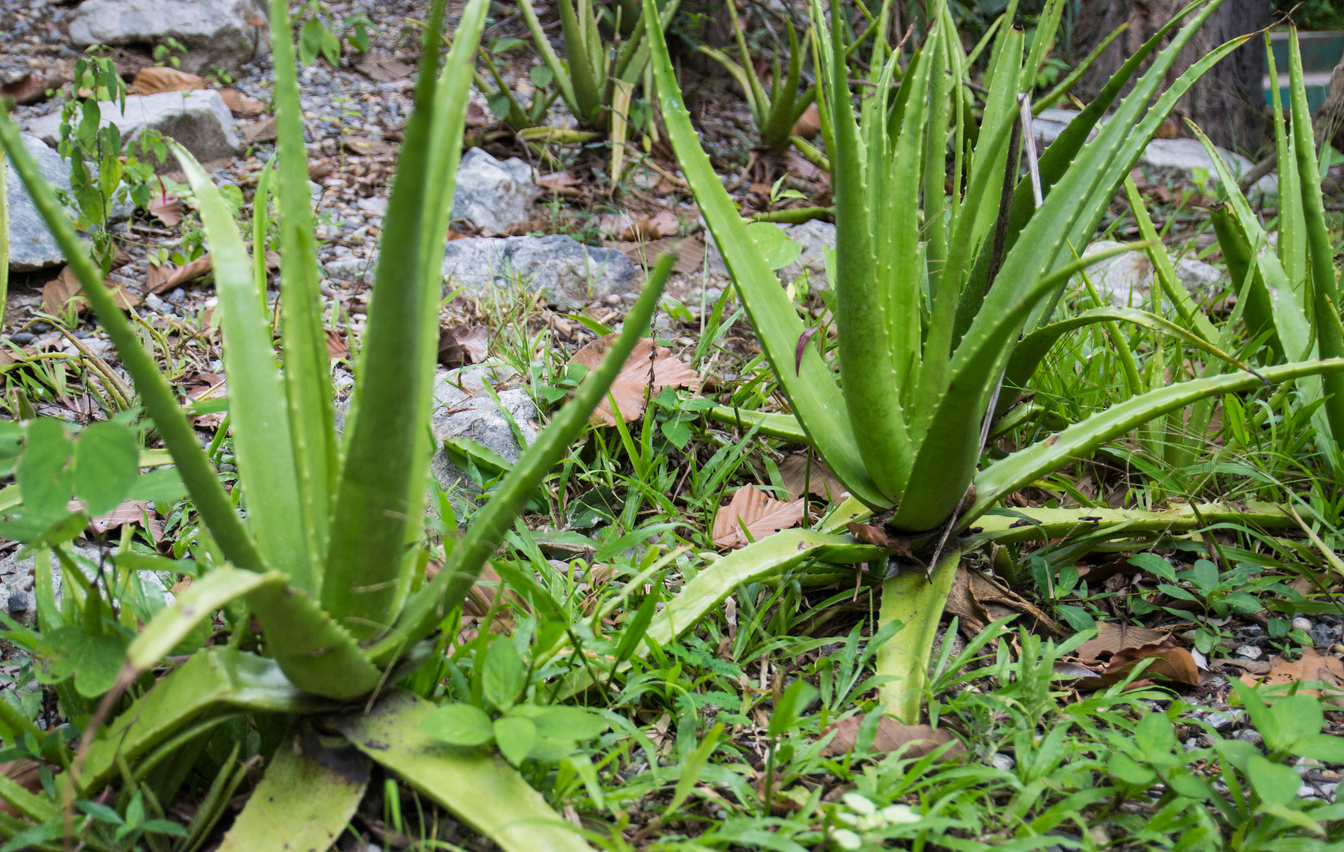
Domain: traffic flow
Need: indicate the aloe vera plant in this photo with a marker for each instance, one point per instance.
(327, 556)
(929, 311)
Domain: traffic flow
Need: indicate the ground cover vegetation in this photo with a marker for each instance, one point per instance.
(932, 546)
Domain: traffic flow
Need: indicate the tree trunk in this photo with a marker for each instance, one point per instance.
(1227, 102)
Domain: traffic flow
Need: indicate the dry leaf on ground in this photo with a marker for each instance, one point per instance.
(1168, 662)
(911, 740)
(1112, 638)
(207, 386)
(559, 183)
(241, 105)
(64, 290)
(646, 371)
(167, 209)
(978, 599)
(382, 68)
(762, 515)
(461, 345)
(368, 147)
(690, 252)
(809, 123)
(131, 512)
(259, 131)
(161, 279)
(336, 345)
(157, 79)
(28, 89)
(1312, 666)
(815, 479)
(26, 774)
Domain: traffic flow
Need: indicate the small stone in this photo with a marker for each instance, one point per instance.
(22, 338)
(1250, 735)
(1002, 762)
(1220, 721)
(491, 195)
(1302, 624)
(154, 303)
(1250, 652)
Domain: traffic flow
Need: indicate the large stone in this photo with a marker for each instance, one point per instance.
(18, 598)
(31, 246)
(568, 272)
(491, 195)
(1126, 279)
(216, 33)
(198, 120)
(1162, 159)
(463, 409)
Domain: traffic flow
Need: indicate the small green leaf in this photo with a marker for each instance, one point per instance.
(786, 709)
(558, 722)
(164, 485)
(106, 465)
(1296, 718)
(1205, 575)
(1125, 769)
(1154, 564)
(45, 478)
(541, 76)
(678, 432)
(774, 245)
(515, 736)
(1077, 618)
(503, 675)
(459, 724)
(93, 660)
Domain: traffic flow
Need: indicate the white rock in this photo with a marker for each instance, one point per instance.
(198, 120)
(567, 271)
(215, 32)
(1250, 652)
(491, 195)
(462, 409)
(1125, 280)
(1302, 624)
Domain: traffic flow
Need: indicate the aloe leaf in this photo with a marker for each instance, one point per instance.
(1292, 245)
(214, 680)
(1042, 42)
(382, 489)
(583, 76)
(26, 804)
(1043, 524)
(1076, 72)
(1033, 347)
(4, 238)
(916, 602)
(1320, 251)
(783, 111)
(478, 788)
(771, 424)
(559, 71)
(1077, 441)
(307, 369)
(157, 396)
(316, 653)
(304, 801)
(198, 602)
(809, 386)
(258, 413)
(428, 606)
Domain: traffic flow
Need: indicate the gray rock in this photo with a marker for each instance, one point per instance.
(1125, 280)
(1221, 721)
(215, 32)
(1162, 158)
(16, 580)
(198, 120)
(568, 272)
(815, 237)
(1250, 652)
(1250, 735)
(491, 195)
(31, 246)
(462, 409)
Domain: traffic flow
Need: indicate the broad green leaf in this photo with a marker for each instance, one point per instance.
(774, 245)
(1296, 717)
(1274, 783)
(558, 722)
(44, 473)
(915, 601)
(502, 673)
(459, 724)
(515, 736)
(94, 661)
(312, 649)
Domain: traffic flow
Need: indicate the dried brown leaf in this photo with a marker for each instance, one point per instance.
(167, 209)
(64, 291)
(816, 480)
(646, 371)
(24, 772)
(161, 279)
(156, 79)
(241, 105)
(461, 345)
(559, 183)
(913, 741)
(978, 599)
(368, 147)
(262, 130)
(1113, 638)
(132, 512)
(690, 252)
(808, 124)
(336, 345)
(1168, 662)
(761, 514)
(207, 386)
(1312, 666)
(382, 68)
(28, 89)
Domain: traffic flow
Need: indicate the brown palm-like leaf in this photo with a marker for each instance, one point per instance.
(646, 372)
(761, 514)
(155, 80)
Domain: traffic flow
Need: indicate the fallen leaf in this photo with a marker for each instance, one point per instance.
(1169, 662)
(319, 169)
(382, 68)
(161, 279)
(207, 386)
(157, 79)
(762, 515)
(476, 115)
(368, 147)
(799, 165)
(1312, 666)
(241, 105)
(462, 345)
(336, 345)
(1112, 638)
(808, 124)
(646, 370)
(181, 586)
(977, 599)
(131, 512)
(167, 209)
(690, 252)
(64, 292)
(28, 89)
(817, 481)
(260, 131)
(559, 183)
(912, 741)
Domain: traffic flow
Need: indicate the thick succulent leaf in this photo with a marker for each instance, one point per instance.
(156, 395)
(1009, 526)
(542, 42)
(585, 77)
(1292, 242)
(427, 607)
(215, 680)
(314, 651)
(307, 366)
(1077, 441)
(381, 497)
(304, 801)
(772, 425)
(809, 385)
(477, 787)
(258, 412)
(1033, 347)
(916, 602)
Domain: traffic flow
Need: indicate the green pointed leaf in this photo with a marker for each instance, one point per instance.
(459, 725)
(106, 465)
(515, 736)
(503, 674)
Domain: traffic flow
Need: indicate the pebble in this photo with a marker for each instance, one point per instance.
(1302, 624)
(1250, 652)
(1337, 649)
(22, 338)
(1219, 721)
(154, 303)
(1252, 736)
(1001, 761)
